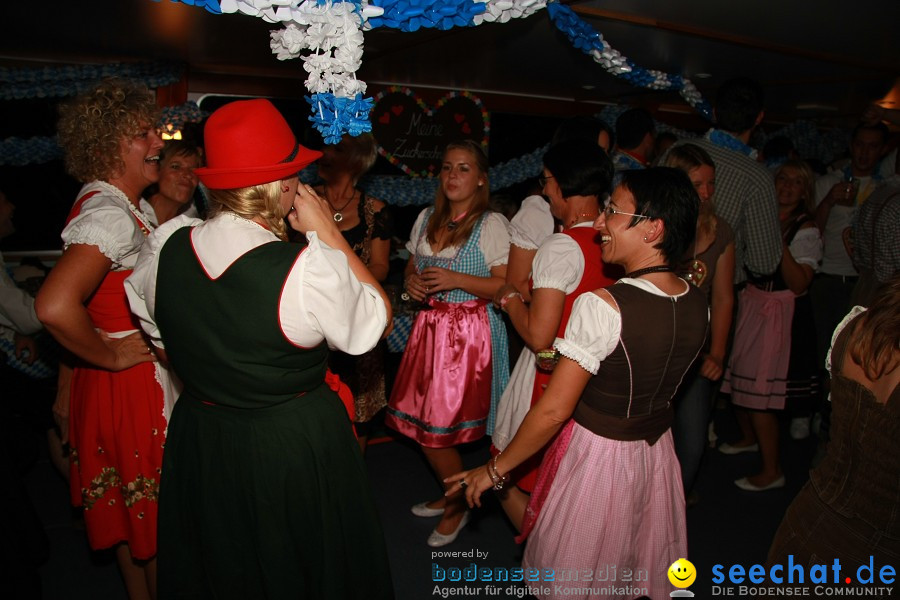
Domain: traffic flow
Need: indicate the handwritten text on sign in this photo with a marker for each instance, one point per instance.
(413, 136)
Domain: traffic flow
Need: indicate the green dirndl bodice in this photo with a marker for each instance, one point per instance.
(264, 492)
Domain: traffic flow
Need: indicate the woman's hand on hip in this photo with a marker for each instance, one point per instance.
(129, 351)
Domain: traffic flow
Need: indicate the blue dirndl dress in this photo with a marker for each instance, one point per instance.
(456, 363)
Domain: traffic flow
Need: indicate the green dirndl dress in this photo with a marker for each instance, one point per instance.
(265, 493)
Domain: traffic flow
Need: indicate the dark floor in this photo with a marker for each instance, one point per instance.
(728, 526)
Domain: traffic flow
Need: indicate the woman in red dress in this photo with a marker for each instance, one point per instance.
(576, 177)
(116, 425)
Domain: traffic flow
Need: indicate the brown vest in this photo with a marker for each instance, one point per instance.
(630, 397)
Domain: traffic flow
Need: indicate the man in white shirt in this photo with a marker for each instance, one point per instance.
(17, 317)
(25, 546)
(838, 196)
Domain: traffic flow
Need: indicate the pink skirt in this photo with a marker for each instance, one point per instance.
(615, 512)
(442, 392)
(757, 371)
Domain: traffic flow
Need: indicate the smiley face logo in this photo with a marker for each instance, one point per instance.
(682, 573)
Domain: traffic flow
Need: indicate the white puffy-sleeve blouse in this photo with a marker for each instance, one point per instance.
(493, 243)
(559, 263)
(532, 223)
(322, 299)
(595, 327)
(106, 221)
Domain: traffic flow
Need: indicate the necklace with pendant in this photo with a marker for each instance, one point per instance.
(454, 223)
(697, 269)
(337, 216)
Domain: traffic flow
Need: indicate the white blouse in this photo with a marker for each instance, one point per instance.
(147, 209)
(322, 299)
(16, 308)
(532, 223)
(595, 327)
(493, 243)
(806, 247)
(107, 220)
(559, 263)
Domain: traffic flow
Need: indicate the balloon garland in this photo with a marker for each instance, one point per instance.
(40, 149)
(332, 31)
(61, 82)
(591, 42)
(418, 191)
(19, 152)
(174, 117)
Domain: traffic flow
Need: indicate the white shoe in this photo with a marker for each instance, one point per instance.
(436, 540)
(745, 485)
(816, 425)
(800, 428)
(423, 510)
(727, 448)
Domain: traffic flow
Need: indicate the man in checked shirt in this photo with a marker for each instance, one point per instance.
(745, 191)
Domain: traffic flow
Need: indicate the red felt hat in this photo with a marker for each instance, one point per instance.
(248, 143)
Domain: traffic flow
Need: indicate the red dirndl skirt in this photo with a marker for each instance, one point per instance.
(117, 435)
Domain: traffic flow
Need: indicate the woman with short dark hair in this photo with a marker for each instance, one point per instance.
(609, 491)
(575, 178)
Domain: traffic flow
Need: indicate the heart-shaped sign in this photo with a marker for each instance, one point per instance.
(413, 137)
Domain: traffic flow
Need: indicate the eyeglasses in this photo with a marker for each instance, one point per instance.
(609, 210)
(542, 179)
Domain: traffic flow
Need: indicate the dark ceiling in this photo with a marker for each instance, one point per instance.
(817, 59)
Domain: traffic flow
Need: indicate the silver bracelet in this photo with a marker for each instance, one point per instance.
(498, 480)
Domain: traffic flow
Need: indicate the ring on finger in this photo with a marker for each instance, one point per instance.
(463, 484)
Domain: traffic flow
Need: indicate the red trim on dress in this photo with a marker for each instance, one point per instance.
(596, 274)
(76, 208)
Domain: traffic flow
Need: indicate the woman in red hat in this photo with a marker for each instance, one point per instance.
(266, 493)
(116, 427)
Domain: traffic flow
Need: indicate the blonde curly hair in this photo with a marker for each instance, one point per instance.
(93, 124)
(262, 200)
